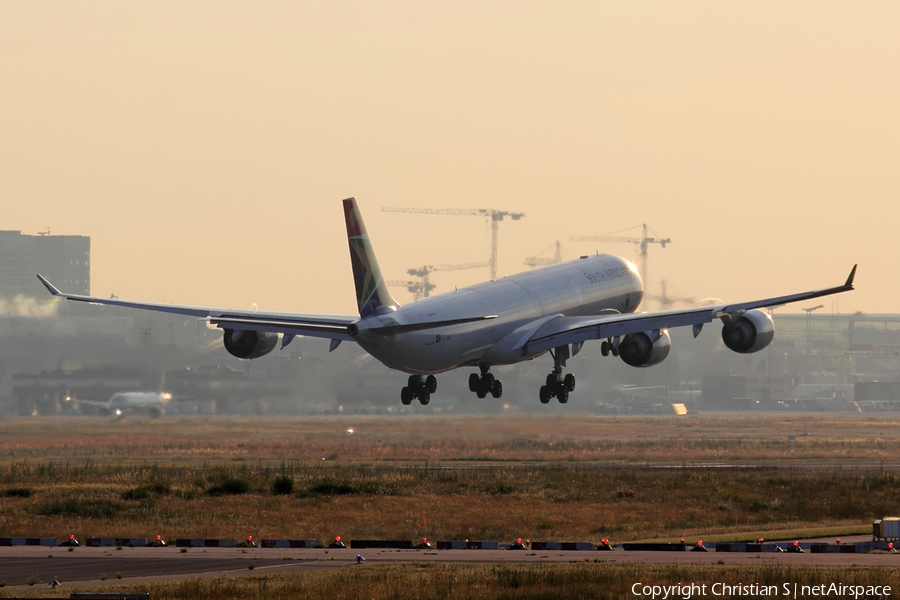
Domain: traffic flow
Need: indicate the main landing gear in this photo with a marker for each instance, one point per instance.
(485, 383)
(558, 386)
(420, 388)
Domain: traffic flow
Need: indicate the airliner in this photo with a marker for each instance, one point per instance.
(550, 310)
(122, 403)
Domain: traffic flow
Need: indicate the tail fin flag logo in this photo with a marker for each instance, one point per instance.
(371, 291)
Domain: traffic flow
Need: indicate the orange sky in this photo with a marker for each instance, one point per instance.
(205, 146)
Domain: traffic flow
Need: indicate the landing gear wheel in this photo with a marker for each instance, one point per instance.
(562, 395)
(406, 396)
(431, 384)
(569, 382)
(604, 348)
(414, 382)
(425, 398)
(552, 381)
(485, 383)
(545, 394)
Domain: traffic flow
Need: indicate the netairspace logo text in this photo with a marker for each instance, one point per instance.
(785, 590)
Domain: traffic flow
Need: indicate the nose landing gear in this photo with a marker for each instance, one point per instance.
(485, 384)
(558, 386)
(420, 388)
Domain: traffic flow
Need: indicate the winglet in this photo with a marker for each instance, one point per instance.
(849, 284)
(50, 287)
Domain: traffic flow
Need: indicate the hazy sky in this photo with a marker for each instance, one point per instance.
(205, 146)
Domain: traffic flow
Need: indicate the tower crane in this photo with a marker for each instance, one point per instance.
(416, 288)
(643, 241)
(494, 215)
(424, 273)
(666, 301)
(543, 261)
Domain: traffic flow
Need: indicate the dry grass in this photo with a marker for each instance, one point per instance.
(568, 501)
(495, 478)
(588, 579)
(506, 438)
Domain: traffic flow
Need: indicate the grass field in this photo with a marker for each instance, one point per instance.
(577, 478)
(583, 579)
(506, 438)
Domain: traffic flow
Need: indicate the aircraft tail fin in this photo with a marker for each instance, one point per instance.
(371, 290)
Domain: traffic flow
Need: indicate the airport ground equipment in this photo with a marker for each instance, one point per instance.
(292, 544)
(886, 529)
(28, 541)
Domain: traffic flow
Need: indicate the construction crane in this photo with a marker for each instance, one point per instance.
(494, 215)
(666, 301)
(543, 261)
(416, 288)
(424, 273)
(643, 242)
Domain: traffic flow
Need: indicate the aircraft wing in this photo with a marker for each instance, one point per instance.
(573, 330)
(325, 326)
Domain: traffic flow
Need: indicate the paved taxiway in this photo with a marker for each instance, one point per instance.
(87, 566)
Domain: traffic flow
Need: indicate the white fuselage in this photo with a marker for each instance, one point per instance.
(521, 302)
(136, 401)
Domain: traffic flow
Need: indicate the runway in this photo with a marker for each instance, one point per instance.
(101, 566)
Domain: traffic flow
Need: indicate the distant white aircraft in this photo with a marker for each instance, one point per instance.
(551, 309)
(120, 404)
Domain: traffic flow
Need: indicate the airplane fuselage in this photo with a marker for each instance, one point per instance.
(521, 303)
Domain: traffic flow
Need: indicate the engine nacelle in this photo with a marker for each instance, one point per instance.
(638, 349)
(751, 332)
(249, 344)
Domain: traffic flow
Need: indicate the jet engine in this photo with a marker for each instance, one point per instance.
(640, 349)
(750, 332)
(249, 344)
